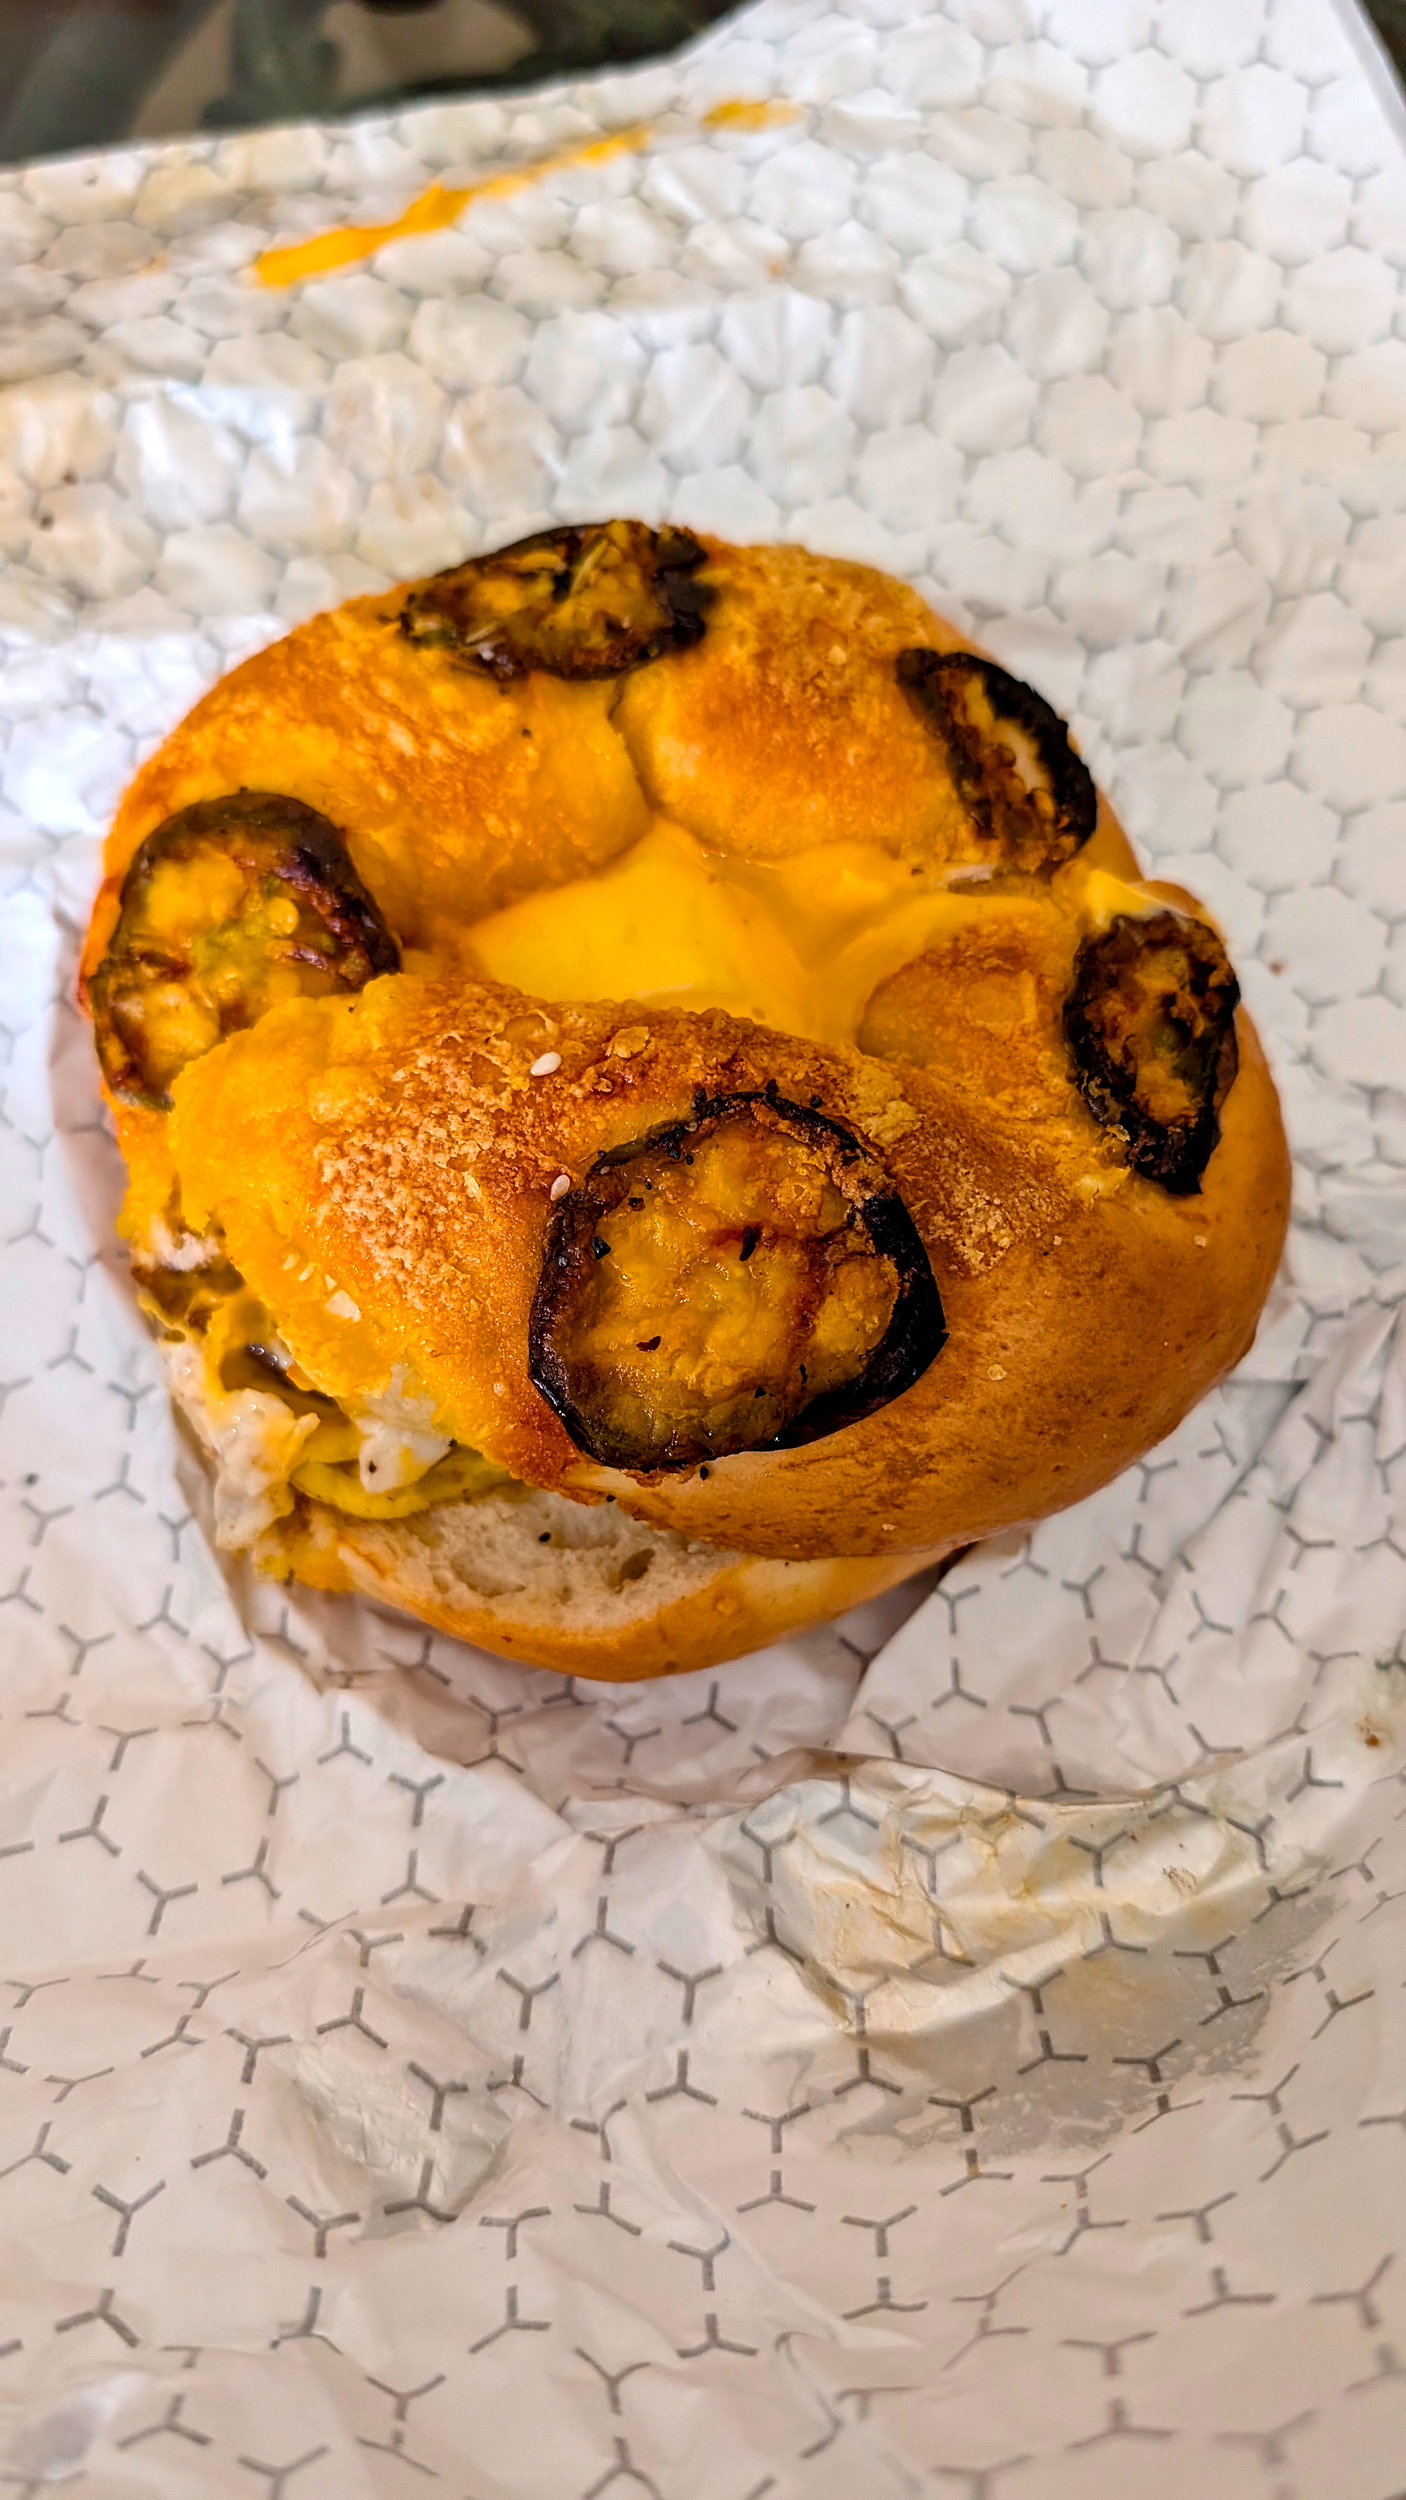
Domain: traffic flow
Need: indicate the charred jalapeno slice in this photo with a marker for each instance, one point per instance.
(1150, 1024)
(585, 602)
(1031, 800)
(748, 1279)
(228, 908)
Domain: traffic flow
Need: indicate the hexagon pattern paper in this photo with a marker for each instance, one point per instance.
(961, 2053)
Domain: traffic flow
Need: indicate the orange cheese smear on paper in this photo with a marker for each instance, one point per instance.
(289, 264)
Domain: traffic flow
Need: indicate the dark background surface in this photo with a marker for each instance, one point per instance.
(77, 73)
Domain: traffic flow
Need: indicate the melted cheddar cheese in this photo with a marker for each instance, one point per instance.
(801, 944)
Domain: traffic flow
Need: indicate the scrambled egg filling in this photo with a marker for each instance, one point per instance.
(273, 1435)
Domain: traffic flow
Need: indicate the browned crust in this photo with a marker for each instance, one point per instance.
(590, 601)
(404, 1144)
(1088, 1309)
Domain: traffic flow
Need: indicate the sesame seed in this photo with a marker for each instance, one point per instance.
(559, 1186)
(547, 1065)
(996, 1371)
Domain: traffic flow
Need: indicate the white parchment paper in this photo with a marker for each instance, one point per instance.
(962, 2052)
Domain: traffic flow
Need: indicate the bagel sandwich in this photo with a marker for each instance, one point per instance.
(657, 1100)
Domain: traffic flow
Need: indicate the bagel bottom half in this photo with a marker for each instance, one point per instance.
(550, 1582)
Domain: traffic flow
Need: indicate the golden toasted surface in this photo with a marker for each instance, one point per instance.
(786, 724)
(747, 1279)
(577, 602)
(395, 1151)
(982, 1003)
(800, 840)
(454, 793)
(458, 792)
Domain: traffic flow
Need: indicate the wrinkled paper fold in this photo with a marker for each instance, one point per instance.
(960, 2051)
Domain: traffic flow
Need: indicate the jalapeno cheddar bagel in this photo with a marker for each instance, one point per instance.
(657, 1101)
